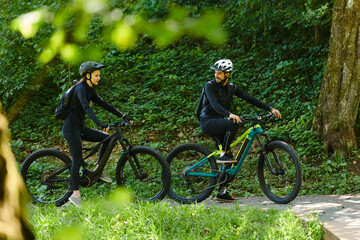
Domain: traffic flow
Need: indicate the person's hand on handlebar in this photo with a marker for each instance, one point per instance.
(105, 127)
(129, 119)
(276, 112)
(235, 118)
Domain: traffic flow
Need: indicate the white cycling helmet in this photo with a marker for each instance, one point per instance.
(223, 65)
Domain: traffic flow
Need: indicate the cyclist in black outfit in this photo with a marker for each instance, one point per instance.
(215, 118)
(74, 129)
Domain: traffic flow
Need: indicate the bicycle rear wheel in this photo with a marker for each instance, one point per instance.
(279, 172)
(47, 176)
(189, 188)
(146, 174)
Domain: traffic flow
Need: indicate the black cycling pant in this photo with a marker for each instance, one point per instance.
(223, 129)
(74, 140)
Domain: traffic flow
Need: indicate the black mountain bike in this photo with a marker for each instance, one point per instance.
(142, 170)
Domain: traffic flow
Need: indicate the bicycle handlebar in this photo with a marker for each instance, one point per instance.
(258, 118)
(115, 125)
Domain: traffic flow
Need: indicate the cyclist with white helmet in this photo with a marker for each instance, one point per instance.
(74, 130)
(215, 118)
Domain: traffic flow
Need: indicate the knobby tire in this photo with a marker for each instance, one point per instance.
(46, 176)
(154, 178)
(283, 185)
(189, 189)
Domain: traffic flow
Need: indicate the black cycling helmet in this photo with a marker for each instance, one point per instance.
(223, 65)
(89, 67)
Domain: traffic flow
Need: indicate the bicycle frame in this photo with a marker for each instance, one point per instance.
(114, 138)
(248, 137)
(91, 176)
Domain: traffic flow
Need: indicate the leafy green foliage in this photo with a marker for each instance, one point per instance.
(75, 21)
(23, 76)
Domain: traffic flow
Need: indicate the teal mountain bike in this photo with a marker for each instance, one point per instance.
(195, 173)
(140, 169)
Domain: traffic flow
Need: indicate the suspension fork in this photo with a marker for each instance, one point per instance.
(263, 144)
(264, 152)
(133, 160)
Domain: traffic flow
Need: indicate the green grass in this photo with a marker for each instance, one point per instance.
(118, 219)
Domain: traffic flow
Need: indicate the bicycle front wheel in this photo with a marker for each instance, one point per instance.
(193, 175)
(47, 176)
(279, 172)
(145, 173)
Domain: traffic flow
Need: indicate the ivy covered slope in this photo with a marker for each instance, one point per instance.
(279, 54)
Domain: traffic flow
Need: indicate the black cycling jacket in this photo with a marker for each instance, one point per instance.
(218, 99)
(80, 104)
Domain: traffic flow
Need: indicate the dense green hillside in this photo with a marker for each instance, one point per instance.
(279, 52)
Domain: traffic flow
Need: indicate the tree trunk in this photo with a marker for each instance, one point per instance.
(339, 97)
(14, 111)
(316, 35)
(13, 193)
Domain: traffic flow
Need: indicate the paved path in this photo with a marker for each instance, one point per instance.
(339, 213)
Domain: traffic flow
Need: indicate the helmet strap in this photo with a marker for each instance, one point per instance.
(89, 79)
(226, 80)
